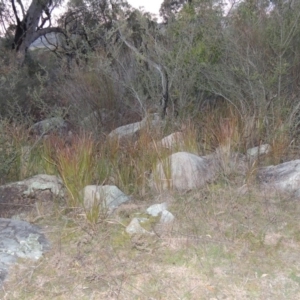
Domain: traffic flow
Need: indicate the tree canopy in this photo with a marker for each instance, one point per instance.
(246, 55)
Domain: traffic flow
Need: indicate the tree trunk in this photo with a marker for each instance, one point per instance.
(27, 29)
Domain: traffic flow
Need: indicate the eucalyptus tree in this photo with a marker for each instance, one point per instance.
(86, 24)
(194, 41)
(31, 22)
(170, 8)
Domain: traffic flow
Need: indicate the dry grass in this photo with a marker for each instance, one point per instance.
(222, 245)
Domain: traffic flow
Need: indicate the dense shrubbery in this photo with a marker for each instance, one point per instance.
(241, 67)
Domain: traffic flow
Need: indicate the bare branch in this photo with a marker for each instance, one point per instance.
(160, 68)
(44, 31)
(15, 12)
(22, 7)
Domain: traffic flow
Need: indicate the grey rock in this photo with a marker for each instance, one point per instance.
(19, 239)
(21, 194)
(283, 177)
(161, 209)
(155, 209)
(55, 124)
(173, 141)
(260, 150)
(48, 42)
(182, 171)
(108, 196)
(166, 217)
(135, 227)
(54, 40)
(225, 161)
(128, 131)
(39, 182)
(42, 182)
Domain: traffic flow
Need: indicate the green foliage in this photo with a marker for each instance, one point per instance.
(28, 93)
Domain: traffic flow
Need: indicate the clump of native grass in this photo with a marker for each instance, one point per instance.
(80, 161)
(132, 161)
(21, 154)
(74, 159)
(227, 131)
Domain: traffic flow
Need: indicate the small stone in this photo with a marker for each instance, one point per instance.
(155, 209)
(166, 217)
(135, 227)
(260, 150)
